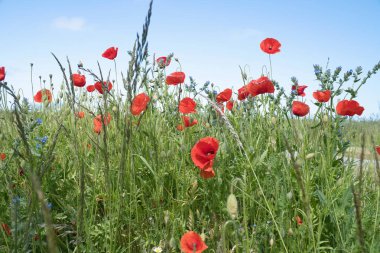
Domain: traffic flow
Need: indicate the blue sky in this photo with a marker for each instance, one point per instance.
(211, 38)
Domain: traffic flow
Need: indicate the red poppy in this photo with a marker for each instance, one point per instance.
(270, 46)
(187, 105)
(207, 173)
(230, 105)
(6, 229)
(300, 109)
(163, 62)
(299, 90)
(2, 73)
(187, 122)
(79, 80)
(110, 53)
(260, 86)
(139, 104)
(107, 119)
(99, 87)
(180, 127)
(224, 96)
(42, 95)
(349, 108)
(3, 156)
(90, 88)
(243, 92)
(98, 122)
(175, 78)
(191, 242)
(80, 115)
(322, 96)
(299, 220)
(204, 152)
(377, 148)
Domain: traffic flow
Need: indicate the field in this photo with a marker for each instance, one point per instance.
(85, 169)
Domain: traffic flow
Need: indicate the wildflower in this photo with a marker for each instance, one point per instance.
(191, 242)
(98, 122)
(110, 53)
(260, 86)
(43, 95)
(2, 73)
(349, 108)
(300, 109)
(39, 121)
(163, 62)
(377, 148)
(187, 122)
(270, 46)
(187, 105)
(203, 154)
(299, 90)
(230, 105)
(157, 249)
(243, 92)
(80, 114)
(299, 220)
(78, 80)
(139, 104)
(102, 87)
(3, 156)
(224, 96)
(49, 205)
(322, 96)
(6, 229)
(44, 139)
(175, 78)
(90, 88)
(180, 127)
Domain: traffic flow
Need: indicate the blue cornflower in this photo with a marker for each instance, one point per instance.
(44, 139)
(49, 205)
(215, 92)
(38, 146)
(317, 71)
(39, 121)
(350, 71)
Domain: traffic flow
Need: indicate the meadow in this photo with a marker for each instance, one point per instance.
(150, 161)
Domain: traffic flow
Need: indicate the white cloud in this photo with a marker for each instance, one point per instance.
(72, 24)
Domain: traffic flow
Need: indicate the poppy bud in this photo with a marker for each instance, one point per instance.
(271, 242)
(325, 118)
(166, 217)
(114, 109)
(309, 156)
(290, 231)
(61, 94)
(232, 206)
(289, 195)
(18, 97)
(203, 236)
(172, 243)
(273, 120)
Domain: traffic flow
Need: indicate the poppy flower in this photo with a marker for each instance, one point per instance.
(90, 88)
(322, 96)
(110, 53)
(260, 86)
(6, 229)
(180, 127)
(243, 92)
(299, 220)
(299, 90)
(230, 105)
(377, 148)
(187, 122)
(163, 62)
(98, 122)
(300, 109)
(78, 80)
(80, 114)
(270, 46)
(191, 242)
(2, 73)
(175, 78)
(139, 104)
(224, 96)
(187, 105)
(349, 108)
(3, 156)
(99, 87)
(42, 95)
(204, 152)
(207, 173)
(107, 119)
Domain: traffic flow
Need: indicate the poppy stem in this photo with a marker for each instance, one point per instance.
(117, 83)
(270, 66)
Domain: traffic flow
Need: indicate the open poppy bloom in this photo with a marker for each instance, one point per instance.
(377, 148)
(349, 108)
(224, 96)
(110, 53)
(163, 62)
(230, 105)
(322, 96)
(299, 220)
(90, 88)
(204, 152)
(260, 86)
(191, 242)
(6, 229)
(79, 80)
(3, 156)
(2, 73)
(98, 122)
(43, 95)
(139, 104)
(187, 105)
(106, 86)
(175, 78)
(300, 109)
(80, 114)
(187, 122)
(243, 92)
(270, 46)
(299, 90)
